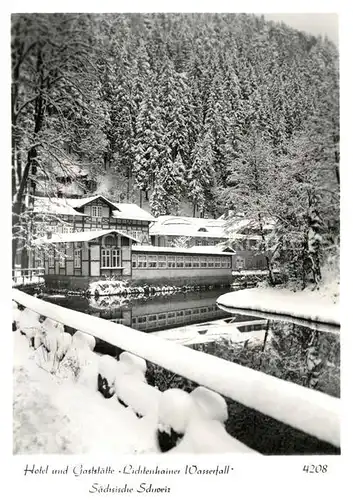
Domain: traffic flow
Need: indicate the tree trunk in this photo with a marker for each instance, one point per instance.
(264, 343)
(304, 257)
(16, 210)
(267, 258)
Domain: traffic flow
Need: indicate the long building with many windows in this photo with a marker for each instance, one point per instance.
(80, 240)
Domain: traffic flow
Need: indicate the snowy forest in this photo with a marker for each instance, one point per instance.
(228, 113)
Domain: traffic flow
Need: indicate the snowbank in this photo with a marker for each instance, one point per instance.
(52, 415)
(23, 280)
(309, 305)
(107, 287)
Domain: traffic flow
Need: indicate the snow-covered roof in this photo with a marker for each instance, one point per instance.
(67, 206)
(132, 211)
(80, 236)
(172, 225)
(211, 250)
(81, 202)
(59, 206)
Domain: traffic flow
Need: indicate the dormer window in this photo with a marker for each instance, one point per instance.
(96, 211)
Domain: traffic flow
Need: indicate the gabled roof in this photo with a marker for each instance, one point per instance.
(80, 236)
(67, 206)
(81, 202)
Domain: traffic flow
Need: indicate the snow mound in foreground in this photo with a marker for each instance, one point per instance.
(52, 415)
(210, 404)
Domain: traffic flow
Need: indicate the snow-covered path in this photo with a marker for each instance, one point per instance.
(304, 304)
(58, 416)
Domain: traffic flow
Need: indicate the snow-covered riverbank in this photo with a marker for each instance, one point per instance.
(308, 305)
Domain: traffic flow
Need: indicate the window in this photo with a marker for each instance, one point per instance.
(152, 261)
(217, 262)
(196, 262)
(51, 257)
(135, 234)
(142, 261)
(61, 251)
(225, 261)
(180, 261)
(188, 261)
(39, 259)
(67, 229)
(105, 257)
(171, 261)
(240, 262)
(110, 258)
(96, 211)
(210, 262)
(115, 253)
(162, 261)
(203, 261)
(134, 260)
(77, 258)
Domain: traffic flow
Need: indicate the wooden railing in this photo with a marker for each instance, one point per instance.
(312, 412)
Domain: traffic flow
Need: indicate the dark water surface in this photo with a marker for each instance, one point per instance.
(303, 355)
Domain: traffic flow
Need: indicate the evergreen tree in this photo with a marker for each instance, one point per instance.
(149, 150)
(170, 186)
(201, 174)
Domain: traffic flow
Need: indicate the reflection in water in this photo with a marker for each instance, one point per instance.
(149, 313)
(301, 354)
(307, 357)
(297, 353)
